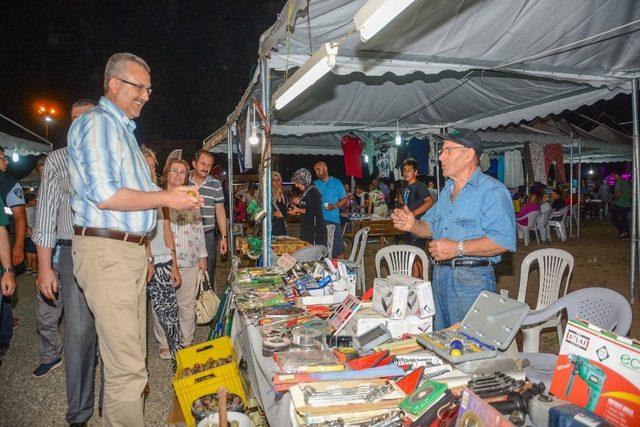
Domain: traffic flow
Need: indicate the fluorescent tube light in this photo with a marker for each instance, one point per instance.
(319, 64)
(253, 138)
(398, 135)
(376, 14)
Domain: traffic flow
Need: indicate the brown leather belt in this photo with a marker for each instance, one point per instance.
(109, 234)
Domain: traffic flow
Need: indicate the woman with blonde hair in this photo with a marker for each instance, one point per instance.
(191, 252)
(163, 275)
(278, 224)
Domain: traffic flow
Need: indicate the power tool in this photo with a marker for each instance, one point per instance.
(592, 375)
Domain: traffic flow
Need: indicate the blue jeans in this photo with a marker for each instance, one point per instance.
(456, 289)
(338, 242)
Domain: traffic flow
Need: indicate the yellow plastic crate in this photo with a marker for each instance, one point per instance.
(200, 353)
(195, 386)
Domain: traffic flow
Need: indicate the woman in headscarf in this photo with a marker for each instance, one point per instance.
(313, 229)
(278, 223)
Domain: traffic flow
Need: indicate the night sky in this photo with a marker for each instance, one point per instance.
(200, 54)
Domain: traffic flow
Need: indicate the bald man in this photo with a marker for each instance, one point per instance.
(333, 198)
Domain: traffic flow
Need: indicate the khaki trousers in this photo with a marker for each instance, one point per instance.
(185, 294)
(112, 275)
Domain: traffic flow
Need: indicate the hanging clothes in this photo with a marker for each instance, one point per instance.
(501, 168)
(370, 152)
(352, 147)
(382, 162)
(419, 150)
(485, 163)
(537, 162)
(403, 153)
(553, 153)
(433, 156)
(493, 168)
(393, 161)
(513, 171)
(528, 167)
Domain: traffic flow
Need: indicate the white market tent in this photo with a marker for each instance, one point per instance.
(22, 147)
(442, 63)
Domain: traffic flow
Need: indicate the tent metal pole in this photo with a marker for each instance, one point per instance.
(579, 186)
(267, 205)
(230, 129)
(571, 189)
(438, 162)
(635, 207)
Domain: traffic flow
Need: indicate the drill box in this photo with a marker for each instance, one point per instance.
(599, 371)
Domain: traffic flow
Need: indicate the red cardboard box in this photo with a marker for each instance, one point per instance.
(599, 371)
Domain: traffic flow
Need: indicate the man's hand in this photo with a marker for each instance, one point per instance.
(330, 206)
(223, 246)
(8, 283)
(202, 264)
(17, 254)
(278, 214)
(47, 283)
(443, 249)
(184, 197)
(403, 219)
(175, 275)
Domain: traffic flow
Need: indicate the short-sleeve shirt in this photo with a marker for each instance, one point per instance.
(211, 192)
(622, 186)
(11, 191)
(483, 208)
(332, 192)
(4, 219)
(414, 195)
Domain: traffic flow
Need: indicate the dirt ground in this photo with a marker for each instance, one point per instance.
(600, 260)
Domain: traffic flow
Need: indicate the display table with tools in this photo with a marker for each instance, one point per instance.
(248, 343)
(280, 245)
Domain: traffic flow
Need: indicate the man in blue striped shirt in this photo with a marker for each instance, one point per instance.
(114, 207)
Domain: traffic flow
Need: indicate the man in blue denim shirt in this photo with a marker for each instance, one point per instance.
(471, 224)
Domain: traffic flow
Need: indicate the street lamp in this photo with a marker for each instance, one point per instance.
(47, 119)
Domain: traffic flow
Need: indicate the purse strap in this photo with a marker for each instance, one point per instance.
(203, 281)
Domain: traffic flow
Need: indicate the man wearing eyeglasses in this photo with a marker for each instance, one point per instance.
(471, 225)
(114, 206)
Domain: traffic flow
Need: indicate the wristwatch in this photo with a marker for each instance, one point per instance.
(460, 248)
(150, 260)
(8, 270)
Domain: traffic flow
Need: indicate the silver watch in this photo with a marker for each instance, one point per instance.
(150, 260)
(460, 248)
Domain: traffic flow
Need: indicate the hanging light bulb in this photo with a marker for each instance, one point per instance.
(15, 157)
(398, 136)
(253, 138)
(366, 158)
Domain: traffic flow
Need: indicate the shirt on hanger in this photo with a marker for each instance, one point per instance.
(419, 150)
(352, 148)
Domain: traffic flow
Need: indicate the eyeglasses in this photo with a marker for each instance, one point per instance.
(138, 86)
(178, 171)
(448, 150)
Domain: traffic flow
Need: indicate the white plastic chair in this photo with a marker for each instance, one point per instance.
(356, 257)
(602, 307)
(525, 230)
(400, 260)
(557, 221)
(552, 265)
(331, 229)
(541, 225)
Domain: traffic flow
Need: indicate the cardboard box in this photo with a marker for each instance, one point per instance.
(599, 371)
(366, 319)
(420, 299)
(390, 298)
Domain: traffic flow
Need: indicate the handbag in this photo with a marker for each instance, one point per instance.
(206, 302)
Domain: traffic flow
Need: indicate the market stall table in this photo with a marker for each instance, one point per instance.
(248, 343)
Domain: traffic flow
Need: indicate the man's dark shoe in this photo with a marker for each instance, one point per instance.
(44, 369)
(78, 425)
